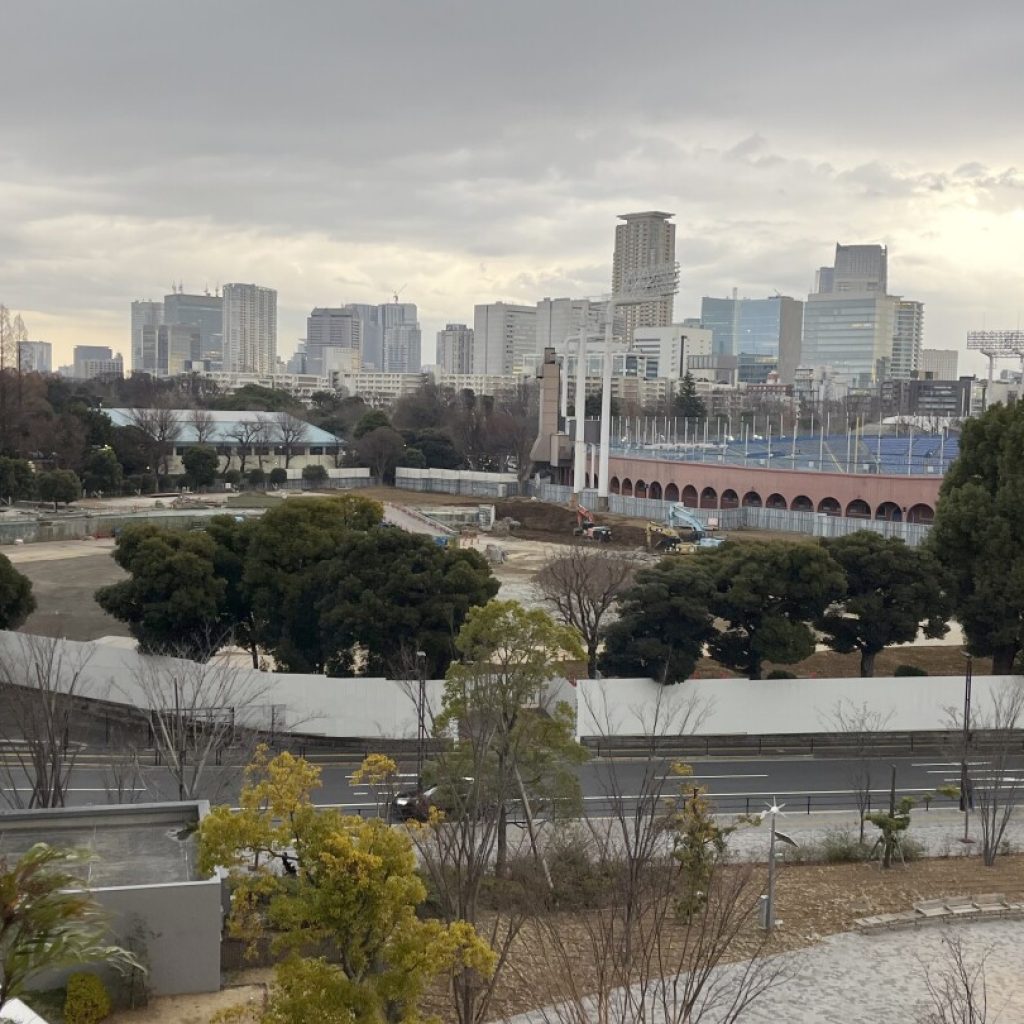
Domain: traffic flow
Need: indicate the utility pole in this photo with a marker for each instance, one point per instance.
(966, 796)
(421, 715)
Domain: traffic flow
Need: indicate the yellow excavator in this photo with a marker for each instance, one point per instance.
(665, 539)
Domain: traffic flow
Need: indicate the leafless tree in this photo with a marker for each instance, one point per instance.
(40, 677)
(205, 720)
(203, 424)
(582, 585)
(957, 989)
(245, 434)
(266, 431)
(290, 432)
(162, 428)
(858, 727)
(632, 955)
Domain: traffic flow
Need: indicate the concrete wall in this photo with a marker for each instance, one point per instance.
(183, 929)
(458, 481)
(634, 707)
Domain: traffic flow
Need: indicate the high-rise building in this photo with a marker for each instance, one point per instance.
(455, 349)
(250, 328)
(858, 268)
(504, 338)
(667, 350)
(96, 361)
(938, 364)
(559, 319)
(645, 240)
(204, 313)
(331, 327)
(906, 343)
(145, 313)
(401, 338)
(763, 334)
(35, 357)
(372, 334)
(169, 349)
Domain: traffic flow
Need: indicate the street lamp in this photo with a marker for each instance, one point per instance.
(768, 917)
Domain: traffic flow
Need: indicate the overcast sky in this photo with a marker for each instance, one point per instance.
(467, 151)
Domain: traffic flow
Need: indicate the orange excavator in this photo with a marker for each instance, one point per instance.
(588, 529)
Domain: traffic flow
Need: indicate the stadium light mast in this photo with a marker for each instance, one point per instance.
(646, 284)
(996, 345)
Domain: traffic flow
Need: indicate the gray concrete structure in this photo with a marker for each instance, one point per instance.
(143, 873)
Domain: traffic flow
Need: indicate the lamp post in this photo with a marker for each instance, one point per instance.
(768, 921)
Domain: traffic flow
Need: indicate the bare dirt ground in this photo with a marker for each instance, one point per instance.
(814, 901)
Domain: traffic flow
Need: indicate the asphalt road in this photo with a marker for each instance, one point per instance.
(804, 783)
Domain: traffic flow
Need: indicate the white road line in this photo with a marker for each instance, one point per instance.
(945, 764)
(698, 778)
(73, 789)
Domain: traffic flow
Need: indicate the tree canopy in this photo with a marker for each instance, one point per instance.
(59, 486)
(17, 481)
(201, 463)
(978, 535)
(892, 591)
(102, 473)
(16, 600)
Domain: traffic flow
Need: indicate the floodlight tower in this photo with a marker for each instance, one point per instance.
(996, 345)
(645, 284)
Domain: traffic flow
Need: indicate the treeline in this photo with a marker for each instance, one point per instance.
(316, 585)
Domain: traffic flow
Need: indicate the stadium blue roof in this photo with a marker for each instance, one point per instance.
(224, 425)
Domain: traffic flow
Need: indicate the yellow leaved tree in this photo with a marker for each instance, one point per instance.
(338, 896)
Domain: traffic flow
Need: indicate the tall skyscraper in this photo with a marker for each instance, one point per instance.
(906, 343)
(204, 313)
(763, 334)
(401, 338)
(35, 357)
(857, 268)
(455, 349)
(372, 334)
(168, 349)
(145, 313)
(645, 240)
(504, 338)
(250, 328)
(331, 327)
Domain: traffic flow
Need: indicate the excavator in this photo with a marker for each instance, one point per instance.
(670, 537)
(588, 529)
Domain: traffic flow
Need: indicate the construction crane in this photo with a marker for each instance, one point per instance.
(396, 292)
(588, 529)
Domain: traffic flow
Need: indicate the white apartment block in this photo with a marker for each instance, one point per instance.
(906, 342)
(668, 349)
(35, 357)
(938, 363)
(250, 328)
(505, 338)
(377, 388)
(455, 349)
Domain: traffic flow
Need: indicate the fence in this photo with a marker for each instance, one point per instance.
(814, 524)
(458, 481)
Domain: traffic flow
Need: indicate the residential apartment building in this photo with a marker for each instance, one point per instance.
(764, 334)
(401, 339)
(35, 357)
(455, 349)
(938, 363)
(643, 241)
(250, 328)
(906, 342)
(96, 361)
(504, 338)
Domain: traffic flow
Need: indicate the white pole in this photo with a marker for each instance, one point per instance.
(580, 460)
(606, 408)
(769, 916)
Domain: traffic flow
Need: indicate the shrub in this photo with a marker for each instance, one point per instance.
(317, 473)
(87, 1001)
(909, 670)
(233, 477)
(256, 477)
(841, 847)
(780, 673)
(278, 476)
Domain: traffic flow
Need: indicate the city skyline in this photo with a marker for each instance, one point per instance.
(472, 196)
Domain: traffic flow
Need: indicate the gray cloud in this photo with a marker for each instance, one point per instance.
(479, 150)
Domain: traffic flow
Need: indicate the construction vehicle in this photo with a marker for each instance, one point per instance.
(664, 538)
(679, 516)
(588, 529)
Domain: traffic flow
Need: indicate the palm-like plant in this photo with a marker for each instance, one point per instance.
(48, 920)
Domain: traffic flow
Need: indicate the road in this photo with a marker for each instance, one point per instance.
(804, 783)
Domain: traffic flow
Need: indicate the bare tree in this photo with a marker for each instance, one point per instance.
(582, 585)
(205, 720)
(265, 432)
(245, 434)
(858, 727)
(290, 432)
(643, 950)
(162, 428)
(957, 989)
(203, 424)
(40, 677)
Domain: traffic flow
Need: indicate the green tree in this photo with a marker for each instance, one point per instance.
(386, 594)
(435, 445)
(892, 591)
(201, 463)
(256, 477)
(173, 602)
(59, 485)
(49, 921)
(16, 600)
(101, 472)
(522, 750)
(764, 595)
(978, 534)
(375, 419)
(314, 473)
(688, 403)
(17, 481)
(355, 889)
(278, 476)
(381, 450)
(663, 622)
(231, 539)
